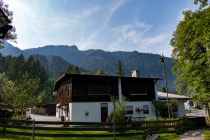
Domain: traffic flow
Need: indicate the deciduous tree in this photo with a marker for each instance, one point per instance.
(27, 94)
(203, 3)
(191, 53)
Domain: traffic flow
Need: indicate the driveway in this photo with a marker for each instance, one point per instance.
(44, 118)
(193, 135)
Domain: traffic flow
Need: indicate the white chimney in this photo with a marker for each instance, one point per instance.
(135, 73)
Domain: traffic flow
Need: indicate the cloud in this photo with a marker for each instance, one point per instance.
(88, 12)
(88, 27)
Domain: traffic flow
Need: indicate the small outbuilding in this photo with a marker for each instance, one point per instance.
(180, 100)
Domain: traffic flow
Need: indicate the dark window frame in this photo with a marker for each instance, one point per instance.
(129, 109)
(146, 109)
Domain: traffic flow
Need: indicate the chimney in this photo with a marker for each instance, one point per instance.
(135, 73)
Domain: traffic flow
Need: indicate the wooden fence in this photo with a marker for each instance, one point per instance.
(33, 128)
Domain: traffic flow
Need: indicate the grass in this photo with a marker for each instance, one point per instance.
(162, 137)
(169, 137)
(207, 134)
(12, 137)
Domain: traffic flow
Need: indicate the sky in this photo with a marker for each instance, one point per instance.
(111, 25)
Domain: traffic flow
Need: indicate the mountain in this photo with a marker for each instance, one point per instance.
(148, 64)
(9, 49)
(54, 65)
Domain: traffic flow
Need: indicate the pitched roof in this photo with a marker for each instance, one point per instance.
(163, 95)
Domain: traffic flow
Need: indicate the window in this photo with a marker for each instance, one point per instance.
(98, 90)
(69, 90)
(145, 109)
(137, 90)
(129, 109)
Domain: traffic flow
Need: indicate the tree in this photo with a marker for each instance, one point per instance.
(191, 53)
(73, 69)
(7, 31)
(100, 72)
(162, 108)
(203, 3)
(120, 69)
(6, 88)
(27, 94)
(119, 113)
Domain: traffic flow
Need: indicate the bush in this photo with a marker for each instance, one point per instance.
(6, 114)
(118, 115)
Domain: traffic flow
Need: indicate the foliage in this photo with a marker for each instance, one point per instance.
(119, 110)
(191, 54)
(120, 69)
(162, 108)
(188, 124)
(119, 113)
(151, 119)
(6, 88)
(11, 35)
(22, 94)
(101, 72)
(203, 3)
(169, 137)
(207, 134)
(19, 69)
(73, 69)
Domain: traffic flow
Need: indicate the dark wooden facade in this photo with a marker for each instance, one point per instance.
(138, 89)
(93, 88)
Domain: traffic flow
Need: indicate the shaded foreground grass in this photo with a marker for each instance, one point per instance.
(162, 137)
(8, 137)
(138, 137)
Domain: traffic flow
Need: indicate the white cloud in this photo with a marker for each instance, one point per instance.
(37, 28)
(88, 12)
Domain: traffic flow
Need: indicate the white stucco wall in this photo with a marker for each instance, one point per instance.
(57, 111)
(181, 108)
(140, 105)
(79, 109)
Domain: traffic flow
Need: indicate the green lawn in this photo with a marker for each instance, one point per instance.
(12, 137)
(162, 137)
(207, 134)
(169, 137)
(64, 138)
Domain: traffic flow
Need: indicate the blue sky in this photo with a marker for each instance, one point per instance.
(111, 25)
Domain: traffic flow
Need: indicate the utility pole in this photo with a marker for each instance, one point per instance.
(114, 123)
(162, 60)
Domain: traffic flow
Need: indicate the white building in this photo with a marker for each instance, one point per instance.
(180, 100)
(87, 98)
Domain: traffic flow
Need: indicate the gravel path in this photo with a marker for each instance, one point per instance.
(192, 135)
(44, 118)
